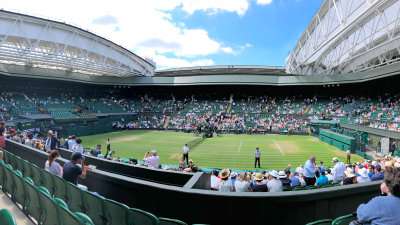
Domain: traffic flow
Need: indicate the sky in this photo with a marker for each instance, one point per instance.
(185, 33)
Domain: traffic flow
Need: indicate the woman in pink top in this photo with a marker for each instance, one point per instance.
(52, 166)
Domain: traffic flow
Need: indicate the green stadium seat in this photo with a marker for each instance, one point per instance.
(49, 207)
(7, 218)
(84, 218)
(310, 187)
(60, 202)
(28, 179)
(48, 181)
(167, 221)
(116, 213)
(66, 217)
(344, 220)
(74, 198)
(19, 194)
(287, 188)
(60, 188)
(33, 207)
(27, 169)
(94, 205)
(44, 190)
(321, 222)
(36, 175)
(138, 217)
(8, 182)
(299, 188)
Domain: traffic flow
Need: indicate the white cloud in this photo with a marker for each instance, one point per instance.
(140, 23)
(264, 2)
(248, 45)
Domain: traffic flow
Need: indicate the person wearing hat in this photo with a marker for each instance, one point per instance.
(377, 173)
(51, 142)
(224, 184)
(257, 155)
(274, 184)
(338, 170)
(284, 179)
(350, 177)
(71, 170)
(153, 160)
(233, 178)
(259, 186)
(363, 176)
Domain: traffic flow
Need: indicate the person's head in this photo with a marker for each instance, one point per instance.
(378, 168)
(99, 146)
(392, 180)
(185, 145)
(301, 165)
(233, 175)
(242, 176)
(53, 155)
(328, 171)
(154, 152)
(371, 168)
(312, 159)
(193, 168)
(73, 137)
(214, 172)
(292, 174)
(77, 157)
(50, 133)
(78, 140)
(224, 174)
(258, 177)
(182, 165)
(289, 166)
(257, 149)
(321, 163)
(322, 173)
(335, 160)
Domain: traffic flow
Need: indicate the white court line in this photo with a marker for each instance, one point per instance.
(240, 146)
(279, 147)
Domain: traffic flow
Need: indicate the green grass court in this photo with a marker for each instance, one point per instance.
(230, 151)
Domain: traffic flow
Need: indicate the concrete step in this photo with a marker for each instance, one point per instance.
(20, 217)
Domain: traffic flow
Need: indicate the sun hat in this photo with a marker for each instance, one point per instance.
(274, 174)
(258, 176)
(363, 172)
(349, 173)
(50, 132)
(233, 174)
(335, 159)
(282, 174)
(224, 173)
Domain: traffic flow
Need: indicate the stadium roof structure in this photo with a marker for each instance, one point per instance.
(42, 43)
(347, 37)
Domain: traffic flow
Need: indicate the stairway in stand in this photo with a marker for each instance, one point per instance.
(166, 122)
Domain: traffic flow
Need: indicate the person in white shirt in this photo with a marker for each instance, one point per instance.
(329, 175)
(338, 170)
(299, 170)
(186, 153)
(363, 176)
(214, 179)
(77, 147)
(153, 160)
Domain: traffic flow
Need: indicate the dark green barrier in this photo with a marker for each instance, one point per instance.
(340, 141)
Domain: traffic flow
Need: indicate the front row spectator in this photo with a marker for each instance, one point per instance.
(350, 177)
(153, 160)
(274, 185)
(95, 152)
(322, 179)
(71, 171)
(363, 176)
(52, 165)
(284, 179)
(377, 175)
(243, 183)
(383, 209)
(259, 186)
(224, 184)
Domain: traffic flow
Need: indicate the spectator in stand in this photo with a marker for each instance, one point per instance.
(51, 142)
(17, 137)
(329, 175)
(295, 181)
(233, 179)
(350, 177)
(191, 169)
(29, 140)
(78, 147)
(299, 170)
(378, 175)
(214, 179)
(71, 142)
(224, 184)
(259, 186)
(371, 171)
(383, 209)
(322, 179)
(153, 160)
(338, 170)
(274, 185)
(95, 152)
(321, 166)
(363, 176)
(243, 184)
(284, 179)
(287, 170)
(2, 144)
(309, 171)
(66, 146)
(52, 165)
(71, 171)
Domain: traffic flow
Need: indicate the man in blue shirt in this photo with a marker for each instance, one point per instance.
(371, 171)
(322, 179)
(378, 175)
(309, 171)
(257, 155)
(295, 179)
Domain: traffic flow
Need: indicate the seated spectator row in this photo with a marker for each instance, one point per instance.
(49, 199)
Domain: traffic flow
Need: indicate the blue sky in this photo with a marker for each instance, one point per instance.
(181, 33)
